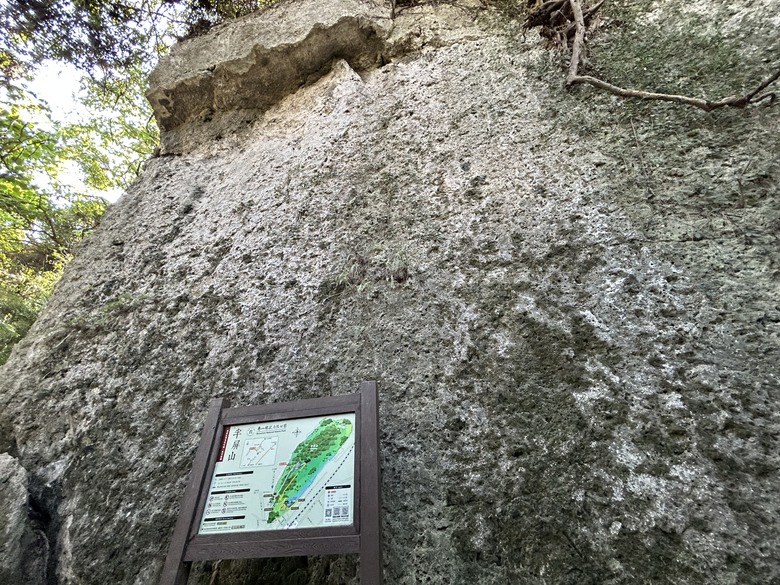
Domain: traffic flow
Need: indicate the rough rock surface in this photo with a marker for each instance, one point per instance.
(570, 301)
(23, 546)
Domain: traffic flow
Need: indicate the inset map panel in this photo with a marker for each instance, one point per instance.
(259, 452)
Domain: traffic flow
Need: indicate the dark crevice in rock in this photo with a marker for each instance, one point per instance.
(42, 507)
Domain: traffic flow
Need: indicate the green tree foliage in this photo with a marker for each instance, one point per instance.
(43, 215)
(106, 35)
(119, 135)
(114, 43)
(41, 219)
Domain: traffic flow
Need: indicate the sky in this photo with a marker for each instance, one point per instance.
(58, 85)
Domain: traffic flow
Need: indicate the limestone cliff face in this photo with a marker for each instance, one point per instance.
(570, 301)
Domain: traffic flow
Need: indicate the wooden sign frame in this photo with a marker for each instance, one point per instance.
(363, 536)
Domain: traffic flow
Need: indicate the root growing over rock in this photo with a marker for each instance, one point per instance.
(566, 24)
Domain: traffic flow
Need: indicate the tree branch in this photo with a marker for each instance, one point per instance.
(574, 78)
(578, 43)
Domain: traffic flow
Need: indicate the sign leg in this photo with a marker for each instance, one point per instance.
(175, 571)
(371, 522)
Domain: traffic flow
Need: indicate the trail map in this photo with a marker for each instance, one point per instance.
(295, 473)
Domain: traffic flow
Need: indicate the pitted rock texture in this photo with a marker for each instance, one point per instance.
(569, 302)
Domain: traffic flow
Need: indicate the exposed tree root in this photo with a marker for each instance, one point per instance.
(555, 18)
(566, 23)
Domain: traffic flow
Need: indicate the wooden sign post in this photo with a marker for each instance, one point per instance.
(285, 479)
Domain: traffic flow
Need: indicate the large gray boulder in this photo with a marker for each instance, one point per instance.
(569, 300)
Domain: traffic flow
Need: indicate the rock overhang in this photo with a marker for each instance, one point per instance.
(238, 71)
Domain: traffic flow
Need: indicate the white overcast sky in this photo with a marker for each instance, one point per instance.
(58, 85)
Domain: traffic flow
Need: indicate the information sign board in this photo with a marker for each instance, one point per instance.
(295, 473)
(283, 479)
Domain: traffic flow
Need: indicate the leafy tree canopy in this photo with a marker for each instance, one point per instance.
(41, 217)
(104, 36)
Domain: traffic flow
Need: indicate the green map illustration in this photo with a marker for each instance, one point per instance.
(307, 460)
